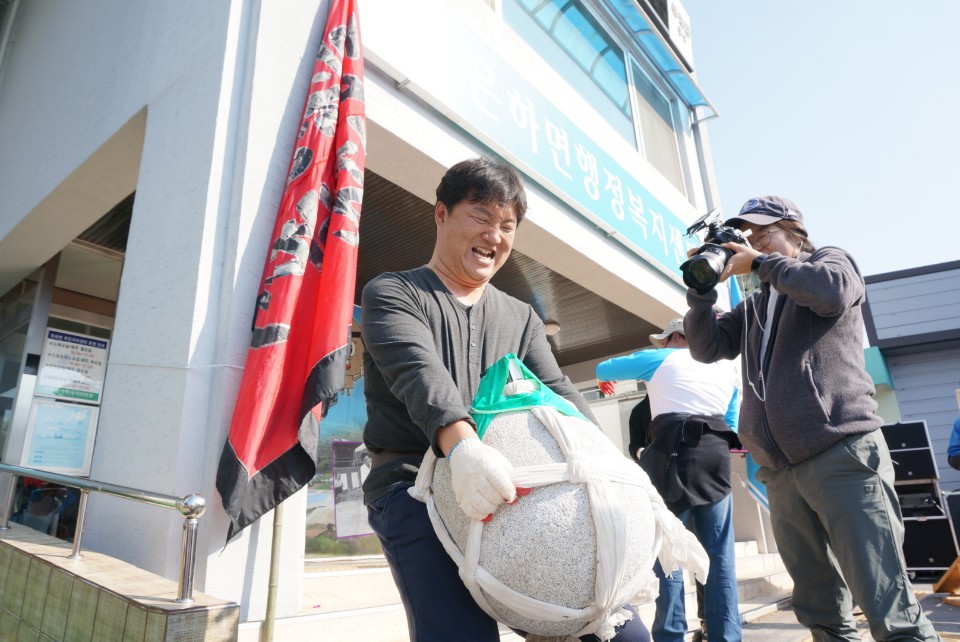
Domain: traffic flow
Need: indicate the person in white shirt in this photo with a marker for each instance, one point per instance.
(687, 456)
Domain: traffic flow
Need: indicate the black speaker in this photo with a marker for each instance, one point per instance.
(921, 499)
(928, 543)
(912, 434)
(952, 500)
(914, 464)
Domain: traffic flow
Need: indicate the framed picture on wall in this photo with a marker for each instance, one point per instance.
(351, 465)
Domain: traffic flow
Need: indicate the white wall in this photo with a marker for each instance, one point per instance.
(99, 98)
(926, 383)
(918, 303)
(195, 108)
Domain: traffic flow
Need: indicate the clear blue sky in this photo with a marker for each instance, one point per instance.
(851, 109)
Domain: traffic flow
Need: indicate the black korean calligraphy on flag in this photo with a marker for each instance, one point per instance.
(298, 353)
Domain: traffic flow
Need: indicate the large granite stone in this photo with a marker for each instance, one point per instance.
(545, 546)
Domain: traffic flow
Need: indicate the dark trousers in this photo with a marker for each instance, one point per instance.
(439, 607)
(837, 522)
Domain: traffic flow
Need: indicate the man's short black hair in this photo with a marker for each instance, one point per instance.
(483, 180)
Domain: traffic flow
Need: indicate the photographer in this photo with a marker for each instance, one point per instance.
(808, 418)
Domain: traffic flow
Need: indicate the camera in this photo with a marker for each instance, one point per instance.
(702, 271)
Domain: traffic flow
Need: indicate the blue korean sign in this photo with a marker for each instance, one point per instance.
(532, 130)
(470, 82)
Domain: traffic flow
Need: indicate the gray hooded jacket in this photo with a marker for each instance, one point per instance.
(814, 389)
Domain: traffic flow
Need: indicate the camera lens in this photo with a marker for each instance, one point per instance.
(702, 272)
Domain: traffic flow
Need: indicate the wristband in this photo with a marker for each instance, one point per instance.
(757, 261)
(450, 454)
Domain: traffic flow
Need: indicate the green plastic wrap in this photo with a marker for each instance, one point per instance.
(490, 399)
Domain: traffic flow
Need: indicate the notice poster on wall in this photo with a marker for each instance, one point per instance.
(72, 366)
(60, 437)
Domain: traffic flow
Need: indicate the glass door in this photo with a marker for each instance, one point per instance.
(16, 306)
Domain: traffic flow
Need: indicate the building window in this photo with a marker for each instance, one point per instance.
(577, 46)
(574, 43)
(16, 307)
(658, 138)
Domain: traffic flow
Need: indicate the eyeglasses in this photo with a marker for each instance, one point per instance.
(762, 240)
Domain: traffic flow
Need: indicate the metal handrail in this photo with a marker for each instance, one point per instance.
(191, 507)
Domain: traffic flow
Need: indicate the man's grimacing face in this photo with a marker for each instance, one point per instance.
(474, 239)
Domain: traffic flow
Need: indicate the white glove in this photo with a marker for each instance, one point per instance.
(480, 476)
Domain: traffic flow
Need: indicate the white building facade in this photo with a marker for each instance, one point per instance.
(145, 146)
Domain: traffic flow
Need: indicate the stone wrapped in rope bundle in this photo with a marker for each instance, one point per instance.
(565, 559)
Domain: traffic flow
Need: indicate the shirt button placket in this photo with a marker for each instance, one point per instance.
(472, 338)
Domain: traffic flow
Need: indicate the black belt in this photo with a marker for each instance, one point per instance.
(386, 456)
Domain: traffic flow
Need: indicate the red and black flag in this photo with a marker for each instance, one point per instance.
(301, 335)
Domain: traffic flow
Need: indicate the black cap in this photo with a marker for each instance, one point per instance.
(766, 210)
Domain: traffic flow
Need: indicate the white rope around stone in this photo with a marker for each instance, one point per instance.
(673, 543)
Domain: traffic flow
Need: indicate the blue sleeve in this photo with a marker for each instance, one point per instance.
(953, 448)
(639, 365)
(733, 411)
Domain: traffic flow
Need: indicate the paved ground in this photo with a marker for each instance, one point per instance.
(782, 625)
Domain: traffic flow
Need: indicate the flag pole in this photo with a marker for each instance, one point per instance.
(269, 618)
(301, 333)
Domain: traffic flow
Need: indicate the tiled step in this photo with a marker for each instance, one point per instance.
(745, 549)
(46, 593)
